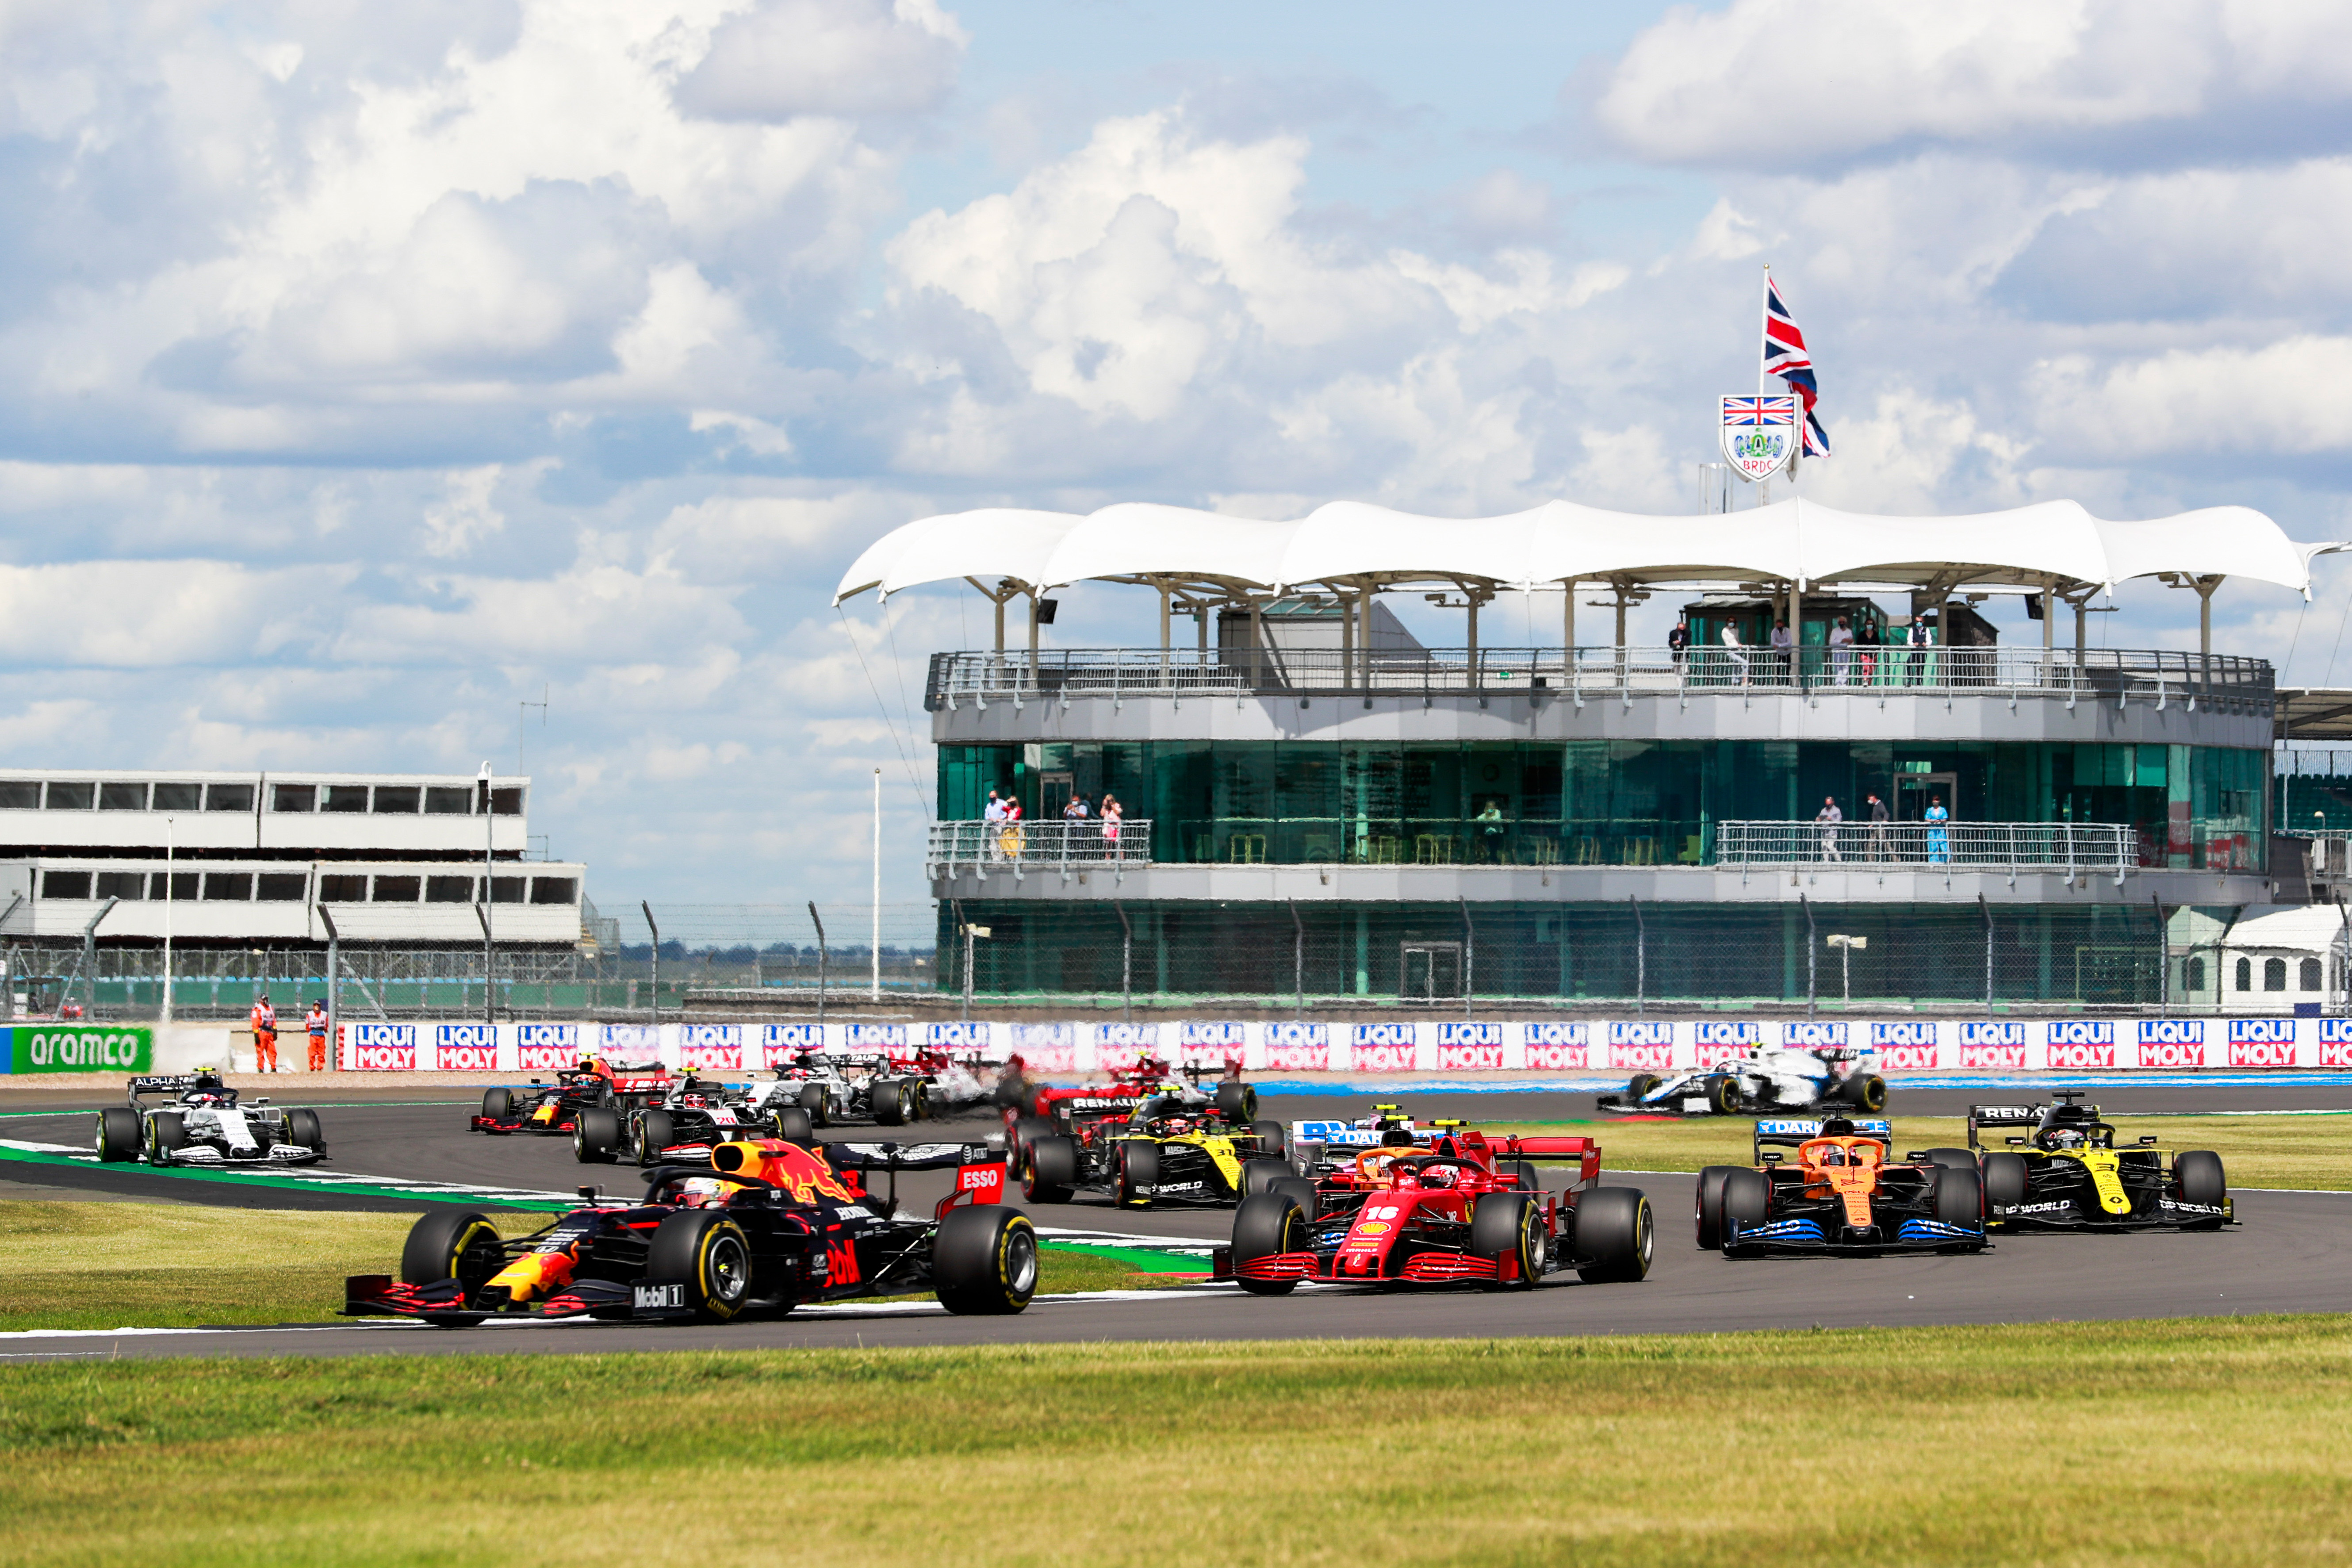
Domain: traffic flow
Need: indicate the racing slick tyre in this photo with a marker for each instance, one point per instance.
(302, 1127)
(654, 1133)
(1641, 1084)
(918, 1096)
(2198, 1178)
(1271, 1138)
(984, 1259)
(1723, 1095)
(463, 1247)
(596, 1135)
(1236, 1102)
(1302, 1193)
(1134, 1170)
(1266, 1225)
(1710, 1205)
(1746, 1198)
(1960, 1197)
(2005, 1180)
(1866, 1091)
(1260, 1174)
(709, 1252)
(117, 1134)
(813, 1101)
(1051, 1170)
(1509, 1224)
(1520, 1172)
(1616, 1235)
(1950, 1159)
(794, 1125)
(1027, 1131)
(165, 1136)
(497, 1103)
(889, 1100)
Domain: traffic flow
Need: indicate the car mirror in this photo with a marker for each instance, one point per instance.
(1915, 1157)
(263, 1100)
(2147, 1139)
(1773, 1156)
(2019, 1142)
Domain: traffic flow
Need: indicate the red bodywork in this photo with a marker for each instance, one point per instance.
(1150, 1078)
(596, 1083)
(1406, 1211)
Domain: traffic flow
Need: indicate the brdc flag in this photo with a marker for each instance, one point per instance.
(1785, 356)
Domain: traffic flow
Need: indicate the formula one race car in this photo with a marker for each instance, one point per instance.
(838, 1085)
(694, 1118)
(1459, 1209)
(1045, 1111)
(2066, 1174)
(1163, 1151)
(555, 1108)
(1765, 1078)
(206, 1126)
(1843, 1194)
(763, 1227)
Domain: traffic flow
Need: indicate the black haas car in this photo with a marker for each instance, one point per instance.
(555, 1108)
(765, 1227)
(692, 1120)
(2066, 1174)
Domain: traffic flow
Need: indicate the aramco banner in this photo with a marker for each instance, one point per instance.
(79, 1047)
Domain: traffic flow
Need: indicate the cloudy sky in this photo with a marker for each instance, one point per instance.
(366, 370)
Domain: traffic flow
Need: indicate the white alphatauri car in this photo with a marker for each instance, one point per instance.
(1764, 1078)
(206, 1126)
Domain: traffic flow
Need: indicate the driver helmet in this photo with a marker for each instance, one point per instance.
(2066, 1138)
(1834, 1156)
(702, 1192)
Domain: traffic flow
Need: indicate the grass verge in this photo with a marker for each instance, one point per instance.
(113, 1265)
(2302, 1152)
(2200, 1442)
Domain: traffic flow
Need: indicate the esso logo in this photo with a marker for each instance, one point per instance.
(2262, 1031)
(1384, 1058)
(1644, 1032)
(1915, 1032)
(1298, 1059)
(1470, 1058)
(383, 1058)
(1555, 1059)
(1907, 1059)
(2172, 1055)
(2079, 1058)
(1804, 1035)
(1381, 1035)
(1727, 1032)
(709, 1058)
(2261, 1053)
(1642, 1059)
(2172, 1031)
(2011, 1058)
(2082, 1032)
(445, 1036)
(985, 1182)
(557, 1036)
(467, 1058)
(1991, 1034)
(547, 1058)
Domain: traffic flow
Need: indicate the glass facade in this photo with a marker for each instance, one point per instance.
(1563, 952)
(1609, 802)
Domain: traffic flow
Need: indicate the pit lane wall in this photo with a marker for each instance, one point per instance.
(1417, 1046)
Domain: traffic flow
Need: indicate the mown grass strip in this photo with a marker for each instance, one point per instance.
(2199, 1442)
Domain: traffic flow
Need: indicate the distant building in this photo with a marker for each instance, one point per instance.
(222, 860)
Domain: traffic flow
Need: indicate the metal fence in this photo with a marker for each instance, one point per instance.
(1053, 844)
(2161, 678)
(1977, 845)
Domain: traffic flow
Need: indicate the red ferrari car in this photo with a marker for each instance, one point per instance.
(1459, 1209)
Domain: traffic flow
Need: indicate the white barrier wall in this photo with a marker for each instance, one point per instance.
(1613, 1047)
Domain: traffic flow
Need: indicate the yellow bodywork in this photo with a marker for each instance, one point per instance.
(2106, 1167)
(1220, 1151)
(545, 1112)
(535, 1274)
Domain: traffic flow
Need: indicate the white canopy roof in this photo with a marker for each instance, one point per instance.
(1792, 540)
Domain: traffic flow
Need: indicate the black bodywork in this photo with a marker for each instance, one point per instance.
(2065, 1172)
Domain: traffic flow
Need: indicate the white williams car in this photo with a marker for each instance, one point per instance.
(1765, 1078)
(206, 1126)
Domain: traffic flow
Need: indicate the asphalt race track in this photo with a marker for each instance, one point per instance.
(2292, 1251)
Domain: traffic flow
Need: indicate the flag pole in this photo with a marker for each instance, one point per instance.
(1763, 377)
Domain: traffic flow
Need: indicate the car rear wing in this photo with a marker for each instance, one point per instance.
(1585, 1151)
(979, 1167)
(2025, 1116)
(1790, 1132)
(160, 1083)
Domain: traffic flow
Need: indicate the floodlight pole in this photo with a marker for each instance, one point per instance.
(647, 905)
(1806, 904)
(334, 980)
(819, 923)
(490, 896)
(90, 955)
(1126, 961)
(876, 944)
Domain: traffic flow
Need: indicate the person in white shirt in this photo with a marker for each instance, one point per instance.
(1842, 651)
(1731, 651)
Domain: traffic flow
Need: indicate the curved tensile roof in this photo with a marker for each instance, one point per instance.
(1353, 543)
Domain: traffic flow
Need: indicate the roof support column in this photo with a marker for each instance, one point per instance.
(1257, 641)
(2205, 587)
(1033, 636)
(2082, 628)
(2048, 611)
(1163, 635)
(1347, 604)
(1796, 676)
(1472, 596)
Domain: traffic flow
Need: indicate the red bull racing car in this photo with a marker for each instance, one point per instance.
(555, 1108)
(1449, 1205)
(764, 1227)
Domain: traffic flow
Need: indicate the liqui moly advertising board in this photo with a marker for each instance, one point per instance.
(1299, 1048)
(2262, 1042)
(546, 1048)
(2079, 1045)
(1642, 1045)
(1908, 1045)
(1470, 1047)
(780, 1044)
(1053, 1047)
(379, 1048)
(2335, 1042)
(2172, 1044)
(1555, 1047)
(1718, 1040)
(710, 1048)
(1994, 1046)
(1384, 1047)
(466, 1048)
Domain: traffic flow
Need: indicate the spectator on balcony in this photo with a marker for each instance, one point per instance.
(1879, 848)
(1077, 810)
(1678, 643)
(1731, 651)
(1939, 837)
(1829, 816)
(995, 812)
(1842, 652)
(1009, 837)
(1112, 815)
(1784, 651)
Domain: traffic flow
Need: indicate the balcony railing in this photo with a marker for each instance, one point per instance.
(1053, 844)
(2068, 847)
(2161, 678)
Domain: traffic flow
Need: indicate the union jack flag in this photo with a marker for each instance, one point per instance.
(1785, 356)
(1759, 411)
